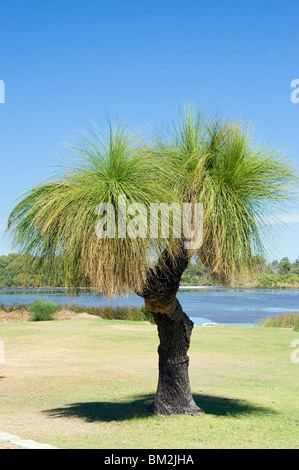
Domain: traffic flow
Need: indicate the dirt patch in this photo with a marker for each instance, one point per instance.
(23, 316)
(14, 316)
(69, 315)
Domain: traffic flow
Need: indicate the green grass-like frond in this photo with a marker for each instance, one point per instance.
(201, 158)
(58, 218)
(243, 186)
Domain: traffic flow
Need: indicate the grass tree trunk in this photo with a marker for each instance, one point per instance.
(174, 393)
(174, 328)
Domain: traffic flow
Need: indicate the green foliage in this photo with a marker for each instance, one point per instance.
(42, 311)
(58, 218)
(19, 271)
(15, 273)
(241, 184)
(285, 266)
(197, 274)
(285, 320)
(147, 315)
(278, 281)
(202, 158)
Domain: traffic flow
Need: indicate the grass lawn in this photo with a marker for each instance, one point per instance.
(87, 383)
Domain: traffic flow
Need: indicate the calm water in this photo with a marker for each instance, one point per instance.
(220, 305)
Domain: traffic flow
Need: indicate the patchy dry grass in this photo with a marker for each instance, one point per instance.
(87, 384)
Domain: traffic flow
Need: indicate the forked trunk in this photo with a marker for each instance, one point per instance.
(174, 327)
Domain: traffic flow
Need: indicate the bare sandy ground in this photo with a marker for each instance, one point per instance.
(23, 316)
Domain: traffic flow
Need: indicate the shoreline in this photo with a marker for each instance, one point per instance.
(204, 287)
(203, 304)
(23, 317)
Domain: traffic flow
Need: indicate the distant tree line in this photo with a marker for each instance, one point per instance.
(16, 273)
(278, 274)
(275, 274)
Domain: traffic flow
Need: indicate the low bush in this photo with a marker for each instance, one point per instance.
(42, 311)
(285, 320)
(268, 281)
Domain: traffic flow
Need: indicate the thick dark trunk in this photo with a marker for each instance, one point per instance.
(174, 327)
(173, 393)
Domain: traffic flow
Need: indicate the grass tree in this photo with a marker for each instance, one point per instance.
(198, 159)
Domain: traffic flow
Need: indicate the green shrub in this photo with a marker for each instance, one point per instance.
(147, 315)
(285, 320)
(42, 311)
(278, 281)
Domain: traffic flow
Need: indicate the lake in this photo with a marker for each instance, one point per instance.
(204, 304)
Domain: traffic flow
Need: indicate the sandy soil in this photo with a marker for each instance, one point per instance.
(23, 316)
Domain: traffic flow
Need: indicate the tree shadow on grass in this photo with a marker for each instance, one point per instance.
(139, 408)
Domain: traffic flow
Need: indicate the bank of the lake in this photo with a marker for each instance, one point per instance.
(203, 304)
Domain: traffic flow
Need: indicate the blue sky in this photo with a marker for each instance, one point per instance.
(65, 63)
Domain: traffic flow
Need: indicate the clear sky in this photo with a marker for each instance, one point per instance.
(65, 63)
